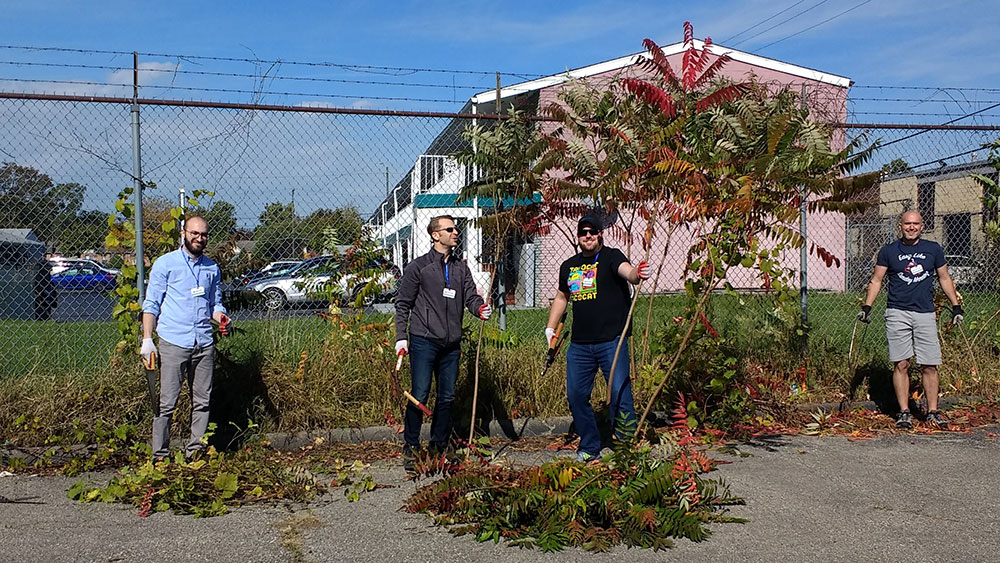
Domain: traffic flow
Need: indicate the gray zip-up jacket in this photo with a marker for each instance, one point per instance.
(420, 299)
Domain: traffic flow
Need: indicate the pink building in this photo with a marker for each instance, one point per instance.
(533, 267)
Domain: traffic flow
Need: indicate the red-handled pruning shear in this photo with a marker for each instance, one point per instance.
(555, 345)
(423, 408)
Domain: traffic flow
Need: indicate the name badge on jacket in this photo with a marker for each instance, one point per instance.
(448, 293)
(197, 291)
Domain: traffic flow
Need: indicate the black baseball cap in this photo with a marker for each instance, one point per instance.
(590, 219)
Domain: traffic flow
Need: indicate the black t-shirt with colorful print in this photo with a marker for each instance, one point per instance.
(599, 295)
(911, 274)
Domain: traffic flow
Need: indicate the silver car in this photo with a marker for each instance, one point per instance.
(303, 284)
(322, 279)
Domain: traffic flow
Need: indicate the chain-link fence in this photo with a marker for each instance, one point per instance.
(294, 187)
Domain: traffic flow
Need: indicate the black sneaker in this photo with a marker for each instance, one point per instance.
(409, 460)
(904, 420)
(935, 418)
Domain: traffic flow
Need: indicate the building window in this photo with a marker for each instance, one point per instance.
(925, 203)
(431, 171)
(958, 233)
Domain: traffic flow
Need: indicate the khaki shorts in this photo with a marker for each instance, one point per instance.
(910, 333)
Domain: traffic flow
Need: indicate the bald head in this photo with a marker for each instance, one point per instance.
(911, 224)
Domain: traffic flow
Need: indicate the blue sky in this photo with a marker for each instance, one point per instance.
(880, 42)
(933, 45)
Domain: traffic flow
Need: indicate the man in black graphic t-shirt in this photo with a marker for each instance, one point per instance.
(596, 282)
(910, 322)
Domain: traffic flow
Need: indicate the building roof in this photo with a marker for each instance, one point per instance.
(622, 62)
(19, 236)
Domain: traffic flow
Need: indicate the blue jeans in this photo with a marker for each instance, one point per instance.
(428, 358)
(582, 361)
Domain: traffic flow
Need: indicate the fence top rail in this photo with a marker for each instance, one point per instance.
(403, 113)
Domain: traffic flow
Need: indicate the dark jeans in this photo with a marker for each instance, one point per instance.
(582, 361)
(428, 358)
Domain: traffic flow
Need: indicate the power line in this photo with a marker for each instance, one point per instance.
(855, 7)
(728, 39)
(797, 14)
(353, 67)
(939, 160)
(918, 114)
(921, 100)
(943, 88)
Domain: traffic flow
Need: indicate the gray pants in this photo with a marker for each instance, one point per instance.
(175, 362)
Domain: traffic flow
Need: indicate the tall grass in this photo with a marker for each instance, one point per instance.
(301, 373)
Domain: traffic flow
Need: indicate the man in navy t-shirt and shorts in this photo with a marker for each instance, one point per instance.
(910, 321)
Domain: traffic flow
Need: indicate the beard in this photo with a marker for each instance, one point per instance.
(190, 248)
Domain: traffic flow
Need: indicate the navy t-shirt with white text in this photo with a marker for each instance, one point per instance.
(911, 274)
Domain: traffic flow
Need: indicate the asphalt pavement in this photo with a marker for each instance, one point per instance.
(914, 497)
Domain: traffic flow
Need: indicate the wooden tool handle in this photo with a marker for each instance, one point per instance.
(417, 403)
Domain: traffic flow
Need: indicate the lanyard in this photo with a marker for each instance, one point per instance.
(447, 278)
(193, 273)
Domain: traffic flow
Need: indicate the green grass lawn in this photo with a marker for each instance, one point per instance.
(50, 347)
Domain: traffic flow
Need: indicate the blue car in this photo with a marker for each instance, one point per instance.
(84, 277)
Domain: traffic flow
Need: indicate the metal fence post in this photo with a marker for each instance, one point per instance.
(804, 252)
(137, 181)
(498, 208)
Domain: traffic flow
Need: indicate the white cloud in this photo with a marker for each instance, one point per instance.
(150, 73)
(315, 104)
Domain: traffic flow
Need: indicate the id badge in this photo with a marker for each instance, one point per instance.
(448, 293)
(197, 291)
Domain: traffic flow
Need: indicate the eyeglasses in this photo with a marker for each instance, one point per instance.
(197, 234)
(449, 229)
(584, 232)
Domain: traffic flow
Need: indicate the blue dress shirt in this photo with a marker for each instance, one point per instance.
(184, 313)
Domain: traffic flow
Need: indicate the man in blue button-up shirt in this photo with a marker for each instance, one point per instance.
(182, 299)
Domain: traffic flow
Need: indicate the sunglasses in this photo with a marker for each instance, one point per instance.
(449, 229)
(585, 232)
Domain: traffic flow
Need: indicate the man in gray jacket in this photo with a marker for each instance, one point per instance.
(431, 298)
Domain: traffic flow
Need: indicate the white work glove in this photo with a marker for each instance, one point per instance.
(550, 333)
(401, 348)
(642, 270)
(147, 350)
(485, 310)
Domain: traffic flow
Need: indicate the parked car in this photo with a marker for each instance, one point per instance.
(60, 264)
(277, 268)
(309, 282)
(964, 270)
(299, 286)
(83, 276)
